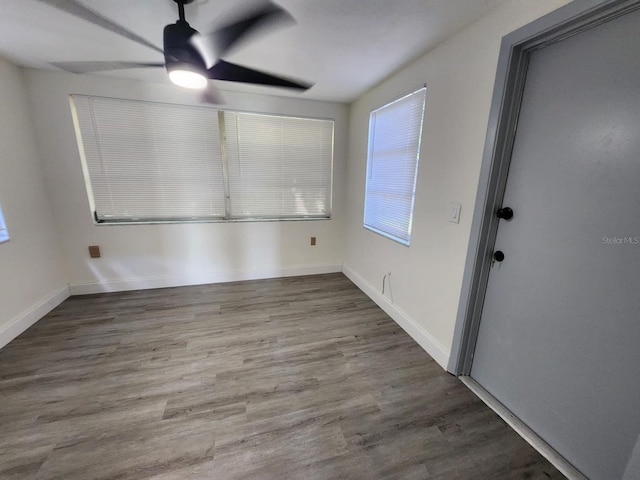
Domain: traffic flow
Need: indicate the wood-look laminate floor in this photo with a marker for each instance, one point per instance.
(296, 378)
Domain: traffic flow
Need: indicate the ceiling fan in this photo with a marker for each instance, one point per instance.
(191, 58)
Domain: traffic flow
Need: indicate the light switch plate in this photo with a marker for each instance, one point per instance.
(454, 213)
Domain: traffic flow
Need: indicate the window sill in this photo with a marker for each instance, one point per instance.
(208, 220)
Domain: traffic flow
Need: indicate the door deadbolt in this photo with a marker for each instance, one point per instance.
(498, 256)
(505, 213)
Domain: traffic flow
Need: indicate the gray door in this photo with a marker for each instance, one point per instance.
(559, 338)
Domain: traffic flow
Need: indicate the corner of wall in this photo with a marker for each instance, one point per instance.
(31, 315)
(428, 343)
(32, 281)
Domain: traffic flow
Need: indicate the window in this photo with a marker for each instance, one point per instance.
(155, 162)
(278, 167)
(392, 164)
(4, 233)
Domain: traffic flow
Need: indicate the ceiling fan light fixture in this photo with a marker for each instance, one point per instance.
(191, 59)
(188, 78)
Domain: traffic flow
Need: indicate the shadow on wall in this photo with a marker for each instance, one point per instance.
(188, 254)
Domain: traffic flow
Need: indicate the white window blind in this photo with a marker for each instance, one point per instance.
(147, 162)
(151, 161)
(392, 164)
(4, 233)
(278, 166)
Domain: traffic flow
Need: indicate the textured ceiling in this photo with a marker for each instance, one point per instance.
(344, 46)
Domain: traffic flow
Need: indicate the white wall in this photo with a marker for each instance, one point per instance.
(143, 256)
(427, 276)
(32, 280)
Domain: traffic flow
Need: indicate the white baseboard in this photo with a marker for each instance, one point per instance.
(524, 431)
(419, 334)
(19, 324)
(144, 283)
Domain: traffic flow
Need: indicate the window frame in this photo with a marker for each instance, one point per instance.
(227, 218)
(369, 167)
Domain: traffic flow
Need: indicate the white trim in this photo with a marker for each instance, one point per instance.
(632, 471)
(525, 432)
(19, 324)
(164, 281)
(409, 325)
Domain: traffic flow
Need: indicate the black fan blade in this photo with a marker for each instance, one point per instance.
(77, 9)
(236, 73)
(202, 46)
(89, 67)
(244, 23)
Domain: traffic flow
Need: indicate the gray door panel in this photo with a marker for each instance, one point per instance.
(559, 338)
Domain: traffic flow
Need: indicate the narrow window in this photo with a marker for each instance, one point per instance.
(395, 131)
(4, 233)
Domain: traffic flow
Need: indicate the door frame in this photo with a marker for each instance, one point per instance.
(515, 52)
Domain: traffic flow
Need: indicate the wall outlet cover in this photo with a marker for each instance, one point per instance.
(454, 213)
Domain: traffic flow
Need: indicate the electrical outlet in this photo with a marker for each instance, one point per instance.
(313, 241)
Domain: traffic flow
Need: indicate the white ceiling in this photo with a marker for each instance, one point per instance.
(344, 46)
